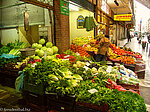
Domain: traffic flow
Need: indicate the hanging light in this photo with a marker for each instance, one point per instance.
(116, 2)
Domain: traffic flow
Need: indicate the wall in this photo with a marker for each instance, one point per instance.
(14, 16)
(9, 35)
(74, 32)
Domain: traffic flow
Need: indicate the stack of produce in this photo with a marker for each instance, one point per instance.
(46, 49)
(72, 59)
(85, 79)
(120, 54)
(90, 48)
(79, 49)
(113, 56)
(128, 60)
(83, 40)
(127, 76)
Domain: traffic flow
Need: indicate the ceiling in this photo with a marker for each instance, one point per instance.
(123, 7)
(145, 3)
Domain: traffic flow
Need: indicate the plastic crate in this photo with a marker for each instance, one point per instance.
(141, 74)
(37, 89)
(60, 103)
(86, 107)
(35, 99)
(128, 86)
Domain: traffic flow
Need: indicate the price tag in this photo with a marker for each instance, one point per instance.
(109, 69)
(45, 54)
(86, 68)
(92, 91)
(87, 63)
(64, 59)
(67, 56)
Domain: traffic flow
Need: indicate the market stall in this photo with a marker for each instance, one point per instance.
(73, 81)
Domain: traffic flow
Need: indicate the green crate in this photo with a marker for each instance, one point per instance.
(37, 89)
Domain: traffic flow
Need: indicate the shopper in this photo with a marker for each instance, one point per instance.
(128, 36)
(103, 48)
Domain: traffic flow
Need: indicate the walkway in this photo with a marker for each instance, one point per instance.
(145, 83)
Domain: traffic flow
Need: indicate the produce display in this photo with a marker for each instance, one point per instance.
(79, 49)
(74, 72)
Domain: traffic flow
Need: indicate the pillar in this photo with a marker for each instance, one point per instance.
(62, 35)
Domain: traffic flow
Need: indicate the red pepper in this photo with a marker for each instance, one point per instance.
(37, 60)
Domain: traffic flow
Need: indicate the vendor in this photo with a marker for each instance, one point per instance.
(103, 48)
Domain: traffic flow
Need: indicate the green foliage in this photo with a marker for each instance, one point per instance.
(118, 101)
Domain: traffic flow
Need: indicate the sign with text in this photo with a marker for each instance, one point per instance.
(123, 17)
(129, 26)
(64, 8)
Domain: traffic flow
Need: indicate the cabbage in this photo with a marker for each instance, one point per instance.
(34, 45)
(36, 57)
(49, 51)
(49, 44)
(44, 48)
(41, 53)
(49, 57)
(39, 46)
(94, 70)
(55, 49)
(37, 51)
(41, 41)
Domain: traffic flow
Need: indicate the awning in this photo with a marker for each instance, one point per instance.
(145, 3)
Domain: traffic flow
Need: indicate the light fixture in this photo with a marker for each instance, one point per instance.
(73, 7)
(116, 2)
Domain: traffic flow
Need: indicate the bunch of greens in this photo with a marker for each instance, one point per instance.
(85, 74)
(16, 45)
(117, 101)
(55, 75)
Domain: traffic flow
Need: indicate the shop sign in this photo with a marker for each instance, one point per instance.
(64, 7)
(80, 22)
(123, 17)
(129, 26)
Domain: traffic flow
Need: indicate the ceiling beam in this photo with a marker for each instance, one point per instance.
(40, 4)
